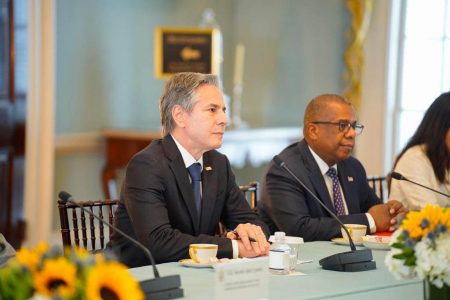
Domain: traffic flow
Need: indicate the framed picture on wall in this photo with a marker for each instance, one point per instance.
(186, 50)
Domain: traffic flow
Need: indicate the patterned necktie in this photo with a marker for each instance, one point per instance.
(195, 170)
(337, 197)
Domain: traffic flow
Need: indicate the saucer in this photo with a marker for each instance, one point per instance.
(191, 263)
(342, 241)
(377, 242)
(376, 245)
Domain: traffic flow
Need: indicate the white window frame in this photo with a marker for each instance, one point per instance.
(395, 79)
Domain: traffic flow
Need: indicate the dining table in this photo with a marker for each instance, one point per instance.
(309, 281)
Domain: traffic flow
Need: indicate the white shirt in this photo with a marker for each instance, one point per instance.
(188, 161)
(187, 157)
(415, 165)
(323, 166)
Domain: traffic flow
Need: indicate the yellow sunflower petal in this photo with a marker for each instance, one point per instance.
(81, 253)
(41, 248)
(31, 258)
(103, 278)
(57, 277)
(28, 258)
(435, 216)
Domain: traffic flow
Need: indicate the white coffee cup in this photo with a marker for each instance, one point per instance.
(203, 253)
(356, 231)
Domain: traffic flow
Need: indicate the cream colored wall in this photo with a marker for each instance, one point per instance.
(370, 148)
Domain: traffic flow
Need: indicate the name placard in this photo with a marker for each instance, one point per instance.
(242, 279)
(186, 50)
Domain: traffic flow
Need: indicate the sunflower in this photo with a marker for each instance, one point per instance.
(78, 252)
(111, 280)
(57, 277)
(80, 257)
(421, 223)
(31, 258)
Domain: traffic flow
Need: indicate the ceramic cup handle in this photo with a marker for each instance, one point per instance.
(193, 254)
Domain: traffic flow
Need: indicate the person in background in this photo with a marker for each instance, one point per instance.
(426, 160)
(323, 162)
(166, 204)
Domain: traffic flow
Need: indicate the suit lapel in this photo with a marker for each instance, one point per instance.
(316, 176)
(321, 188)
(209, 191)
(181, 175)
(347, 183)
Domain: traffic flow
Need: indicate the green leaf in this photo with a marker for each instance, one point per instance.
(408, 251)
(397, 245)
(410, 261)
(400, 256)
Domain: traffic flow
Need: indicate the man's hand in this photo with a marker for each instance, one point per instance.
(397, 211)
(386, 215)
(396, 207)
(381, 216)
(247, 248)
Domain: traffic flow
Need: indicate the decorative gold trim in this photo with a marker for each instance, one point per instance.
(361, 11)
(211, 247)
(357, 226)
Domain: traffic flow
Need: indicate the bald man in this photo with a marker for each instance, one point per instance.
(323, 162)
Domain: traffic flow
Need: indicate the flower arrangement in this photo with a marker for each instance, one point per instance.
(74, 274)
(421, 247)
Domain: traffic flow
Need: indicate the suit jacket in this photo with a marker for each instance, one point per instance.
(157, 205)
(287, 206)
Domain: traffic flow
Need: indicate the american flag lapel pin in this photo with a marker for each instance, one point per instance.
(350, 178)
(208, 168)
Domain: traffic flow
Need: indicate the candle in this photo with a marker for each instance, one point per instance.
(239, 64)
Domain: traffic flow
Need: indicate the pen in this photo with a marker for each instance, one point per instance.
(239, 238)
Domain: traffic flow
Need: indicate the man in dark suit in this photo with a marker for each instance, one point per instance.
(161, 204)
(322, 160)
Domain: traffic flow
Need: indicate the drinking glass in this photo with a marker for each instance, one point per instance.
(293, 256)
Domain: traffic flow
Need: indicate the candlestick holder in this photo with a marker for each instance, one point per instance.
(236, 120)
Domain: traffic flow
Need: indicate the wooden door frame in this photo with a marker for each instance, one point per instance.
(40, 203)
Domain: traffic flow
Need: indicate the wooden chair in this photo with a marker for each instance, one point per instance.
(83, 226)
(379, 185)
(251, 193)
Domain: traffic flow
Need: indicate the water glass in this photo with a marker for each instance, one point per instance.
(293, 256)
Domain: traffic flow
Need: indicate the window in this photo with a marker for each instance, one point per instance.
(424, 62)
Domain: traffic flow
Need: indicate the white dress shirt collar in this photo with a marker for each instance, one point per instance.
(187, 157)
(323, 166)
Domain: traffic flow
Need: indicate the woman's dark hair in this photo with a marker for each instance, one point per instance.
(432, 132)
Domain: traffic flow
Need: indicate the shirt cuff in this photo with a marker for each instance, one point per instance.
(235, 246)
(372, 226)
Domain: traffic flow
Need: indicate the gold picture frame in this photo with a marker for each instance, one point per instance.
(186, 50)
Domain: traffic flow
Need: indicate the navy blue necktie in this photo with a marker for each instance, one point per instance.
(337, 197)
(195, 170)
